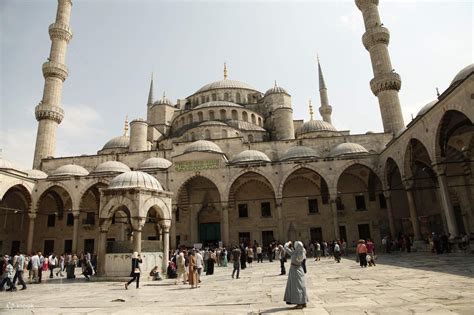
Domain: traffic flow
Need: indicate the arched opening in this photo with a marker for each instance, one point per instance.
(252, 210)
(190, 119)
(237, 98)
(398, 199)
(54, 213)
(361, 211)
(207, 134)
(14, 219)
(199, 208)
(226, 96)
(245, 116)
(223, 114)
(211, 115)
(120, 233)
(306, 207)
(253, 119)
(234, 115)
(200, 116)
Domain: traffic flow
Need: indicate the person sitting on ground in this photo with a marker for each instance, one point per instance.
(171, 271)
(155, 274)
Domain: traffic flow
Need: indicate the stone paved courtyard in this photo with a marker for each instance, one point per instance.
(399, 284)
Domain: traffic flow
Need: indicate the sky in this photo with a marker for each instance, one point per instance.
(117, 44)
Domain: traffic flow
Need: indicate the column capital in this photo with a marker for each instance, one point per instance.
(439, 169)
(32, 215)
(408, 184)
(278, 202)
(165, 224)
(138, 223)
(387, 194)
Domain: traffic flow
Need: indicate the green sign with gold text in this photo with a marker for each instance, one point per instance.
(187, 166)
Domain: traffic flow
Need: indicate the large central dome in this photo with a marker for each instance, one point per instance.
(225, 84)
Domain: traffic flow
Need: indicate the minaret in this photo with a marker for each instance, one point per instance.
(386, 82)
(325, 110)
(225, 71)
(150, 93)
(310, 105)
(49, 112)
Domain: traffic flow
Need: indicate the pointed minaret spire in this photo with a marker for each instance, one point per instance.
(275, 83)
(125, 127)
(150, 93)
(225, 71)
(325, 110)
(310, 109)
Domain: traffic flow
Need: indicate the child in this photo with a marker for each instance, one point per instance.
(370, 260)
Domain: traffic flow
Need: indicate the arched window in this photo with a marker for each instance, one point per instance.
(224, 134)
(207, 98)
(223, 114)
(237, 98)
(249, 98)
(207, 134)
(226, 96)
(203, 99)
(250, 138)
(200, 116)
(234, 115)
(245, 116)
(214, 97)
(253, 119)
(181, 123)
(259, 121)
(190, 119)
(211, 115)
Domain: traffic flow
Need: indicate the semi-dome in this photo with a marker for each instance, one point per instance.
(347, 148)
(70, 170)
(426, 108)
(315, 126)
(217, 104)
(276, 90)
(225, 84)
(249, 156)
(111, 167)
(117, 142)
(464, 73)
(155, 163)
(36, 174)
(299, 152)
(135, 179)
(202, 146)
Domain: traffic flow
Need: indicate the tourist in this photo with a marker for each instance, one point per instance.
(243, 257)
(295, 292)
(210, 262)
(71, 266)
(19, 267)
(87, 268)
(155, 274)
(303, 263)
(224, 257)
(171, 270)
(192, 273)
(271, 252)
(259, 254)
(181, 268)
(35, 266)
(61, 266)
(206, 258)
(45, 265)
(7, 274)
(199, 264)
(318, 251)
(361, 251)
(281, 256)
(135, 273)
(337, 252)
(236, 261)
(311, 249)
(249, 255)
(218, 255)
(370, 247)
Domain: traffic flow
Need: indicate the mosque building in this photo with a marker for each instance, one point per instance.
(229, 163)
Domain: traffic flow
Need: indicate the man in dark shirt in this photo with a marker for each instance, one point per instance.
(236, 258)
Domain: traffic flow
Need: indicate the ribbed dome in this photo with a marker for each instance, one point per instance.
(426, 108)
(225, 84)
(217, 104)
(7, 164)
(251, 156)
(299, 152)
(202, 146)
(347, 148)
(36, 174)
(135, 179)
(70, 170)
(155, 163)
(117, 142)
(276, 90)
(464, 73)
(315, 126)
(164, 101)
(111, 167)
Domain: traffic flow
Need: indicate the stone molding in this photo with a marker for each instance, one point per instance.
(55, 69)
(376, 35)
(60, 31)
(50, 112)
(386, 82)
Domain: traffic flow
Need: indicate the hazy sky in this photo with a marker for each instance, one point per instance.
(117, 44)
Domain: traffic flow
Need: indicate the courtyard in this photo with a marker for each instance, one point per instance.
(417, 283)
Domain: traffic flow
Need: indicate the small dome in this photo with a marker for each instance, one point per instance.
(276, 90)
(5, 164)
(299, 152)
(70, 170)
(153, 163)
(36, 174)
(463, 74)
(135, 179)
(225, 84)
(426, 108)
(117, 142)
(347, 148)
(111, 167)
(251, 156)
(203, 146)
(217, 104)
(315, 126)
(163, 101)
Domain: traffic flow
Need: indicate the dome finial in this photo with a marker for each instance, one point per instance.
(225, 71)
(275, 83)
(164, 95)
(310, 109)
(125, 126)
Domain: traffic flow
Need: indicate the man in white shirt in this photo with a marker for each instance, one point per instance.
(199, 264)
(259, 254)
(52, 261)
(35, 265)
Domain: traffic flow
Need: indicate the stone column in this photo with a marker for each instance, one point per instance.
(335, 219)
(412, 207)
(102, 250)
(391, 221)
(75, 231)
(31, 230)
(165, 227)
(281, 223)
(446, 200)
(193, 225)
(225, 225)
(173, 228)
(137, 240)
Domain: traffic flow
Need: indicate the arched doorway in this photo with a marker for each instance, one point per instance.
(398, 199)
(305, 204)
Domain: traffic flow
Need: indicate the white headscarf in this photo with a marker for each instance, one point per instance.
(299, 251)
(135, 255)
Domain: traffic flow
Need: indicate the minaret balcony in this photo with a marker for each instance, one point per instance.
(60, 31)
(45, 111)
(374, 36)
(386, 81)
(55, 69)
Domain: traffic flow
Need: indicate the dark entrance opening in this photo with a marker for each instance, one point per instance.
(210, 233)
